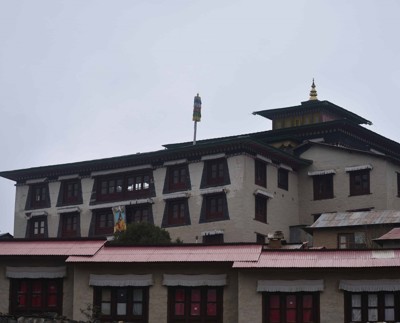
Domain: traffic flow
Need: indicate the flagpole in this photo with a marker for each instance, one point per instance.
(196, 115)
(195, 132)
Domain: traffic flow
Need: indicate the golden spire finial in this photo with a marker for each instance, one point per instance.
(313, 92)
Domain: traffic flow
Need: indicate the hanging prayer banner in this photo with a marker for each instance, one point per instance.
(119, 218)
(197, 108)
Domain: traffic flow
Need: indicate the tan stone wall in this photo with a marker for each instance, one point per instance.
(328, 237)
(383, 183)
(157, 293)
(331, 298)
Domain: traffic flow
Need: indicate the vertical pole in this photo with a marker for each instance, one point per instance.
(195, 132)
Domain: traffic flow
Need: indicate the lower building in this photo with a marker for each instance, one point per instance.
(232, 283)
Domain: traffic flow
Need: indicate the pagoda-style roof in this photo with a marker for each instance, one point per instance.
(311, 107)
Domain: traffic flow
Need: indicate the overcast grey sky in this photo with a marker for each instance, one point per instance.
(90, 79)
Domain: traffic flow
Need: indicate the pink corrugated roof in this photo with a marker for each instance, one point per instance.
(50, 248)
(325, 259)
(393, 234)
(182, 253)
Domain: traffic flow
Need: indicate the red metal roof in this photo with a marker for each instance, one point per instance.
(182, 253)
(393, 234)
(50, 248)
(325, 259)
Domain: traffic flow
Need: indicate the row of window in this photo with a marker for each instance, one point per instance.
(176, 213)
(140, 185)
(202, 304)
(359, 184)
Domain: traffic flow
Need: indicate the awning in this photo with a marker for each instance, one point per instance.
(376, 285)
(69, 209)
(213, 190)
(174, 196)
(194, 280)
(36, 272)
(120, 203)
(264, 193)
(121, 280)
(322, 172)
(290, 286)
(355, 168)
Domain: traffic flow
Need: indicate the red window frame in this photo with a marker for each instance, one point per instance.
(323, 186)
(71, 194)
(203, 304)
(39, 197)
(215, 206)
(138, 213)
(69, 225)
(215, 172)
(177, 178)
(260, 173)
(360, 182)
(34, 296)
(261, 208)
(122, 303)
(123, 186)
(104, 222)
(300, 307)
(176, 212)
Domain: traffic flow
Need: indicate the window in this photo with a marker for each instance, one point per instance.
(70, 225)
(283, 179)
(176, 213)
(260, 173)
(260, 238)
(215, 173)
(261, 208)
(214, 208)
(122, 303)
(139, 213)
(37, 227)
(398, 184)
(38, 196)
(323, 187)
(354, 240)
(372, 307)
(359, 182)
(177, 178)
(195, 304)
(291, 307)
(31, 296)
(104, 222)
(213, 238)
(70, 192)
(123, 186)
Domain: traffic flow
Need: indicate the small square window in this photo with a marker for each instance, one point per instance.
(37, 227)
(139, 213)
(323, 186)
(177, 178)
(214, 238)
(359, 182)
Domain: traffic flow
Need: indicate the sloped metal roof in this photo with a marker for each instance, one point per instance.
(393, 234)
(182, 253)
(50, 248)
(325, 259)
(345, 219)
